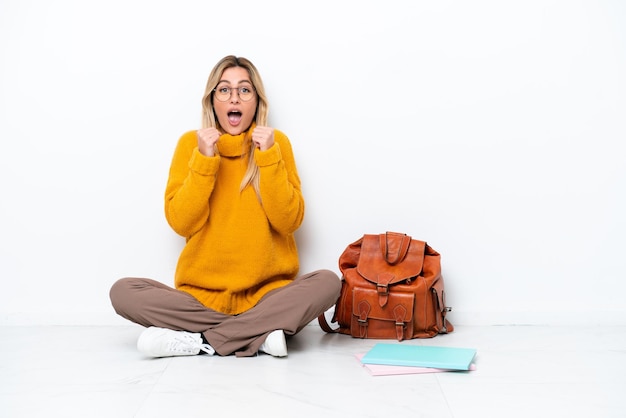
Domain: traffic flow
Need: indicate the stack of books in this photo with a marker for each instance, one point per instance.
(387, 359)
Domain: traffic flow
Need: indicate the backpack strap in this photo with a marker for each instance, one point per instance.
(324, 324)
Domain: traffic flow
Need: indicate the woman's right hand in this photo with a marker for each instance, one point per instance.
(207, 138)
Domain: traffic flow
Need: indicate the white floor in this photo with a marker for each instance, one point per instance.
(521, 372)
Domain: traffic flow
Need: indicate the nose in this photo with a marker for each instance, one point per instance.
(234, 95)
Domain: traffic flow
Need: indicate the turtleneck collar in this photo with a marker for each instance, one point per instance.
(235, 145)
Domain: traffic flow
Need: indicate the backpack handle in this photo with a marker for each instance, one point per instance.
(394, 246)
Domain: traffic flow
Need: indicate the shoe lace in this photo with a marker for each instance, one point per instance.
(187, 343)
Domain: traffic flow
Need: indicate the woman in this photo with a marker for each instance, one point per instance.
(234, 193)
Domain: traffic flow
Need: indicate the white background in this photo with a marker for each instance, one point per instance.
(492, 130)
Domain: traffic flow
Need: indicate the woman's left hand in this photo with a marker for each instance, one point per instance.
(263, 137)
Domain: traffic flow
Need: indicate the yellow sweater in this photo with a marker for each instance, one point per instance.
(237, 248)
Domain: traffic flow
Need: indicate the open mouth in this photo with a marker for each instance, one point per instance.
(234, 117)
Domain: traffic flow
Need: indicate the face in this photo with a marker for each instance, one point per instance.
(235, 115)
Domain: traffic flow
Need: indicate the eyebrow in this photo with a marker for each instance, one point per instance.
(238, 83)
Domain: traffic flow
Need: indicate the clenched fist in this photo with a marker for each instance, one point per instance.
(207, 138)
(263, 137)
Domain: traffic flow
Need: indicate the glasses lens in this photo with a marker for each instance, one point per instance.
(224, 93)
(245, 93)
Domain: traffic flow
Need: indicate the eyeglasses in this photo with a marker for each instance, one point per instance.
(224, 93)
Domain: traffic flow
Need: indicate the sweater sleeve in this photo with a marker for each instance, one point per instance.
(280, 186)
(189, 186)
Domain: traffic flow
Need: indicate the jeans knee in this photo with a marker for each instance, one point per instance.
(119, 292)
(331, 281)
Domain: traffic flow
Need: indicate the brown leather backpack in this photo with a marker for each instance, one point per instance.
(392, 288)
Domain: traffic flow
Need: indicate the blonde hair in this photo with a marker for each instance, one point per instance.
(251, 177)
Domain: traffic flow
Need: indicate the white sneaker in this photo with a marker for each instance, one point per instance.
(163, 342)
(275, 344)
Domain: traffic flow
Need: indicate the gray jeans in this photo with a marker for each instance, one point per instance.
(290, 308)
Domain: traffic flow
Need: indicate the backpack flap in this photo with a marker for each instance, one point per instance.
(390, 258)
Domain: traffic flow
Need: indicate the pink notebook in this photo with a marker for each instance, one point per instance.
(383, 370)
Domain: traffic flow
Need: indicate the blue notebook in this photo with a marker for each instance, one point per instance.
(453, 358)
